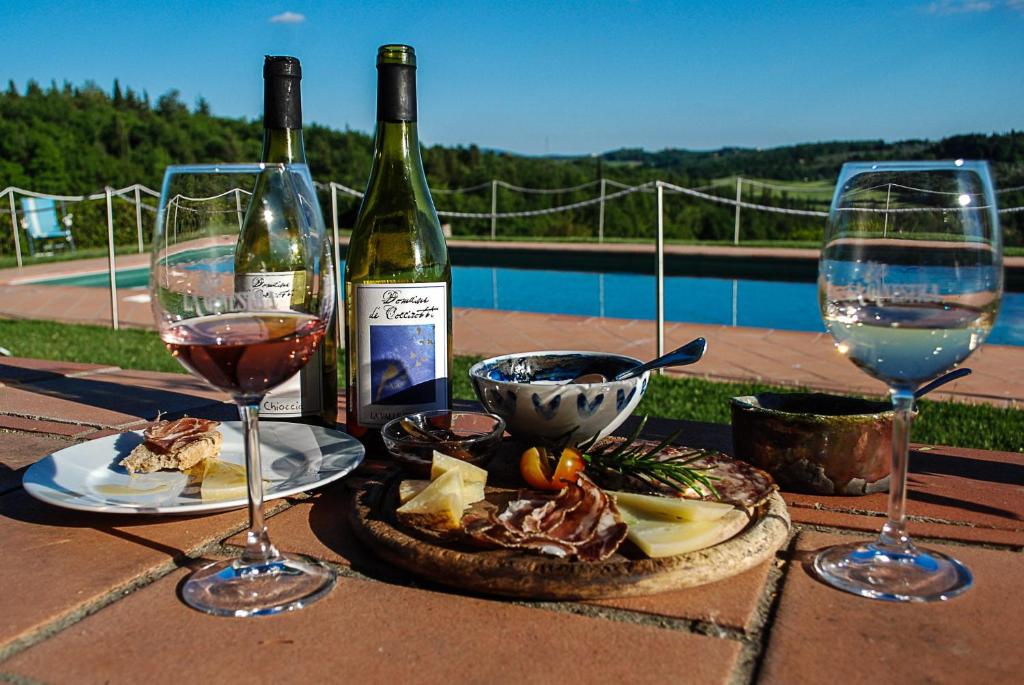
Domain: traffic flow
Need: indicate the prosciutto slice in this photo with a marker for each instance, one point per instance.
(580, 521)
(169, 436)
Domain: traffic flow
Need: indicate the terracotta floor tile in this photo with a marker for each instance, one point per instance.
(731, 603)
(136, 395)
(949, 484)
(65, 408)
(18, 450)
(68, 430)
(366, 632)
(871, 525)
(319, 527)
(23, 370)
(78, 557)
(823, 635)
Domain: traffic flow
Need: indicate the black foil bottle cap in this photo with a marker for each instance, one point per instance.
(282, 95)
(396, 83)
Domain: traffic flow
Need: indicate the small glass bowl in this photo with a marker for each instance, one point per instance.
(468, 435)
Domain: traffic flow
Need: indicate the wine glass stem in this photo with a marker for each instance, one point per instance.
(894, 532)
(258, 548)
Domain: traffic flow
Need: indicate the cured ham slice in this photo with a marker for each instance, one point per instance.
(169, 436)
(736, 482)
(580, 521)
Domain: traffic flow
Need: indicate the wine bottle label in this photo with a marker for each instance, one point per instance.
(401, 350)
(279, 290)
(273, 290)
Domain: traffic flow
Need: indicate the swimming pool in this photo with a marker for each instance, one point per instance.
(729, 302)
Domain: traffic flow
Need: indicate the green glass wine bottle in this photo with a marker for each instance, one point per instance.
(270, 263)
(397, 273)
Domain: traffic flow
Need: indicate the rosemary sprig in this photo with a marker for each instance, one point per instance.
(629, 459)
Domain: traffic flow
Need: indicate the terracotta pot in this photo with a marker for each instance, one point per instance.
(816, 443)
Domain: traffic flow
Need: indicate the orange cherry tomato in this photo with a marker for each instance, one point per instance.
(535, 468)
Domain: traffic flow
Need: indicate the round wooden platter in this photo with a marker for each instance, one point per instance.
(513, 573)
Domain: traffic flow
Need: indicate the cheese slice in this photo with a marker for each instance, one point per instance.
(407, 489)
(439, 505)
(442, 464)
(670, 508)
(222, 480)
(667, 538)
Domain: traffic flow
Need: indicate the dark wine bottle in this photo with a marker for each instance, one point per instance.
(397, 273)
(269, 261)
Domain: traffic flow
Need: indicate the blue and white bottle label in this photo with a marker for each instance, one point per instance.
(402, 350)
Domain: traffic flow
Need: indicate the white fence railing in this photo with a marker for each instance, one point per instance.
(133, 195)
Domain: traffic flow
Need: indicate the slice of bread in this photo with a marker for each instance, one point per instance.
(144, 460)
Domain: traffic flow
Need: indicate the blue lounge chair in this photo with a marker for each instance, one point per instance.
(39, 219)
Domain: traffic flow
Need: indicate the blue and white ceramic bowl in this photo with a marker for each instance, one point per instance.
(533, 392)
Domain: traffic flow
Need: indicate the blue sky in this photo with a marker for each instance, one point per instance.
(566, 77)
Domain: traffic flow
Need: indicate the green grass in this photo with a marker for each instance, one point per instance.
(942, 423)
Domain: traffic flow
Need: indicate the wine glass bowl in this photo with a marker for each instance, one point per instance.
(910, 281)
(244, 329)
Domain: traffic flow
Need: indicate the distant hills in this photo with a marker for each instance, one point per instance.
(76, 139)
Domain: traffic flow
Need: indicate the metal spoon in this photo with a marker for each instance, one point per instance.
(687, 354)
(940, 381)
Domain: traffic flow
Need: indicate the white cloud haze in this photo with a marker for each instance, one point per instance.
(288, 18)
(947, 7)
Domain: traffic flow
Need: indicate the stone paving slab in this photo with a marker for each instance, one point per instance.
(821, 635)
(366, 632)
(19, 450)
(68, 430)
(25, 370)
(63, 408)
(72, 558)
(139, 395)
(105, 619)
(319, 527)
(947, 484)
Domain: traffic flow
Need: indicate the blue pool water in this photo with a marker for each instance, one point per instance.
(762, 304)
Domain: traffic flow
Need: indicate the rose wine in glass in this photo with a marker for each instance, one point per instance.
(910, 281)
(243, 341)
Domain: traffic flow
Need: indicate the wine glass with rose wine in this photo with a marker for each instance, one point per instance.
(244, 334)
(909, 283)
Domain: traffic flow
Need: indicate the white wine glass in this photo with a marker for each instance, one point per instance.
(909, 283)
(244, 339)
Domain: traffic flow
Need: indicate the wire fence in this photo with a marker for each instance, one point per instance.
(606, 191)
(133, 195)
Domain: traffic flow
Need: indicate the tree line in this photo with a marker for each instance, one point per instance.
(67, 139)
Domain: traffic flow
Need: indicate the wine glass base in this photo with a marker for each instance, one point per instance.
(898, 575)
(231, 588)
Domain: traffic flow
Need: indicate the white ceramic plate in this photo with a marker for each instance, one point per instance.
(87, 477)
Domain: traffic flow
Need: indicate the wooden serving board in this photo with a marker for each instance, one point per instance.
(514, 573)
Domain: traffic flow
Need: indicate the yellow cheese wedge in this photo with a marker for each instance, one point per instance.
(439, 505)
(665, 538)
(408, 489)
(442, 464)
(670, 508)
(222, 480)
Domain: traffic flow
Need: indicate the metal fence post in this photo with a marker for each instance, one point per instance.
(110, 259)
(600, 216)
(238, 208)
(739, 195)
(14, 226)
(138, 216)
(660, 271)
(494, 208)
